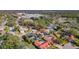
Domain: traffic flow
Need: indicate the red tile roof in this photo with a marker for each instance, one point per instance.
(41, 45)
(44, 45)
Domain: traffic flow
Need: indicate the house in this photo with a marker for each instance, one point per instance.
(38, 32)
(33, 15)
(1, 29)
(51, 39)
(51, 26)
(23, 15)
(59, 46)
(1, 41)
(34, 31)
(44, 45)
(41, 44)
(61, 20)
(48, 38)
(22, 30)
(37, 43)
(47, 31)
(69, 46)
(71, 37)
(11, 29)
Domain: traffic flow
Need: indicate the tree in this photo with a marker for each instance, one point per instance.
(74, 32)
(17, 28)
(11, 42)
(26, 39)
(6, 29)
(27, 22)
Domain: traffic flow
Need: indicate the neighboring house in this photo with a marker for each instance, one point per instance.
(11, 29)
(61, 20)
(47, 31)
(51, 39)
(1, 41)
(58, 46)
(44, 45)
(69, 46)
(41, 44)
(51, 26)
(1, 29)
(34, 31)
(71, 39)
(48, 38)
(33, 15)
(22, 30)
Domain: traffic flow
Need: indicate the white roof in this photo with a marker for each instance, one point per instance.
(68, 46)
